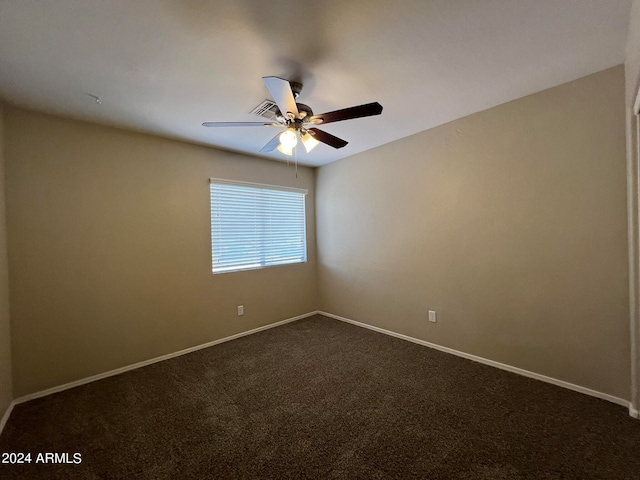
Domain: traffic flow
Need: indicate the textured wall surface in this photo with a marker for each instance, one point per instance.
(5, 334)
(110, 249)
(510, 223)
(632, 80)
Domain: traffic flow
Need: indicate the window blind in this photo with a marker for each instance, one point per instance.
(256, 225)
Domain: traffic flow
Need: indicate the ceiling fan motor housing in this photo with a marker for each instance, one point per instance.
(304, 110)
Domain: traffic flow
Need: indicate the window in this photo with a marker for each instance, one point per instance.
(256, 226)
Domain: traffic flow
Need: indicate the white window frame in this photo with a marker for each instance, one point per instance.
(264, 243)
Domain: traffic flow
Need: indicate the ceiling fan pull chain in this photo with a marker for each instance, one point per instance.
(295, 158)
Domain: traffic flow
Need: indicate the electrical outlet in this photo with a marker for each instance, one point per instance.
(432, 316)
(240, 310)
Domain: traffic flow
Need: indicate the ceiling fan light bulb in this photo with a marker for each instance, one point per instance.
(309, 142)
(288, 140)
(281, 149)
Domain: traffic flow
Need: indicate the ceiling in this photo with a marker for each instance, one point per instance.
(166, 66)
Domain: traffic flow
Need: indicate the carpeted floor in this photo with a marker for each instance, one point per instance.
(319, 398)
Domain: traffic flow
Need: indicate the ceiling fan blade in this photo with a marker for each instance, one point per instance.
(327, 138)
(366, 110)
(280, 90)
(240, 124)
(272, 145)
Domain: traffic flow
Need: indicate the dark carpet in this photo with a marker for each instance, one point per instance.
(319, 398)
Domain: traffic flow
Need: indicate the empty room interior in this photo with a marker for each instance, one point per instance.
(319, 239)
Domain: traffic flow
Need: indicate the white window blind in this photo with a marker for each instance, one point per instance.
(256, 226)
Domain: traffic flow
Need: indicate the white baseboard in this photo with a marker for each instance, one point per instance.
(6, 415)
(492, 363)
(561, 383)
(118, 371)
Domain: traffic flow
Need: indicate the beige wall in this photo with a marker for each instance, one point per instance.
(632, 63)
(632, 79)
(510, 223)
(5, 335)
(110, 250)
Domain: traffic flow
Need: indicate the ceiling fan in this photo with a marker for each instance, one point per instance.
(298, 119)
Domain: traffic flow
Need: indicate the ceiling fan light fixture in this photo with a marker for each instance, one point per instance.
(288, 140)
(281, 149)
(309, 142)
